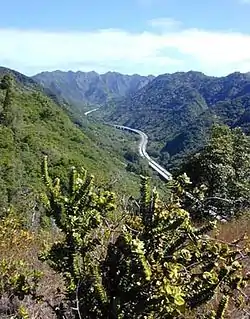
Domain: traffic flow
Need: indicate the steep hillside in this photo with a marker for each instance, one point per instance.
(31, 125)
(177, 110)
(80, 88)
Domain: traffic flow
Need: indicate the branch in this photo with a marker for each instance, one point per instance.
(78, 301)
(134, 230)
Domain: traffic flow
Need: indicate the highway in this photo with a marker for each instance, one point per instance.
(143, 152)
(88, 112)
(161, 170)
(142, 148)
(155, 166)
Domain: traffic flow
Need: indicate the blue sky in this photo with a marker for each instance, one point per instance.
(128, 36)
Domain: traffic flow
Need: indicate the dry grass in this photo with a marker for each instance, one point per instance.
(18, 244)
(235, 228)
(229, 232)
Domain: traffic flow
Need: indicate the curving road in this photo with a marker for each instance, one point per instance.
(158, 168)
(88, 112)
(161, 170)
(142, 150)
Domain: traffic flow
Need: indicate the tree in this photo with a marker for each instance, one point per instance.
(132, 156)
(158, 266)
(6, 82)
(7, 114)
(222, 171)
(241, 164)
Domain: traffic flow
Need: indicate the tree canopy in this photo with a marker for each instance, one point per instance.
(222, 171)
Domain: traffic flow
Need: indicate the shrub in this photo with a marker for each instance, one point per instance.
(158, 266)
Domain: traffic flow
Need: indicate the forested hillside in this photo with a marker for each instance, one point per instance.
(33, 125)
(81, 88)
(177, 110)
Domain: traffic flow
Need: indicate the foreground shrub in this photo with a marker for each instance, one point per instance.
(159, 266)
(28, 288)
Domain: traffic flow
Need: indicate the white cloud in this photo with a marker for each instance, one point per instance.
(165, 23)
(149, 52)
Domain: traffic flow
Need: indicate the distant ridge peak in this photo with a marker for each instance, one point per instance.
(91, 87)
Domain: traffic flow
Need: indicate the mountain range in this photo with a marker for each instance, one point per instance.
(177, 110)
(81, 88)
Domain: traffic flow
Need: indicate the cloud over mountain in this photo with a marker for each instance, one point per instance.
(166, 46)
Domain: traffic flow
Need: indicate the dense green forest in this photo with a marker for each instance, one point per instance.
(33, 124)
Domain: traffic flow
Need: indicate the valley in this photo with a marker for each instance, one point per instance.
(179, 137)
(41, 125)
(175, 110)
(141, 148)
(125, 159)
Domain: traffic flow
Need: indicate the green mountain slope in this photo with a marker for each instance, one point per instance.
(37, 126)
(81, 88)
(177, 110)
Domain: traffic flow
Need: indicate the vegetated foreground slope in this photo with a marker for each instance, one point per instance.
(80, 88)
(177, 110)
(34, 125)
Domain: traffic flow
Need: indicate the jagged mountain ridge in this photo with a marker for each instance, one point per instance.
(177, 110)
(80, 87)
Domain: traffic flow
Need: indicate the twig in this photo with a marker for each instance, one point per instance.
(134, 230)
(77, 300)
